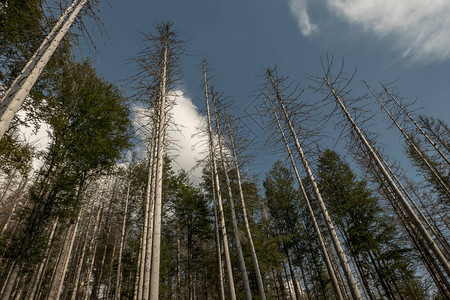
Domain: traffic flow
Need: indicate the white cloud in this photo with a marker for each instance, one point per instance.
(418, 29)
(185, 133)
(191, 145)
(299, 9)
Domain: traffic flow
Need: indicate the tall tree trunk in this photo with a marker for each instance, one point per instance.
(432, 169)
(417, 223)
(63, 261)
(122, 245)
(43, 264)
(218, 248)
(156, 244)
(259, 281)
(146, 249)
(323, 247)
(16, 94)
(417, 125)
(218, 192)
(248, 293)
(332, 231)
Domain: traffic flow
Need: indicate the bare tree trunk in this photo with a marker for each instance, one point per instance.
(150, 213)
(248, 293)
(244, 211)
(417, 126)
(218, 248)
(323, 247)
(43, 264)
(218, 192)
(63, 262)
(417, 223)
(332, 231)
(156, 238)
(20, 190)
(16, 94)
(122, 245)
(432, 169)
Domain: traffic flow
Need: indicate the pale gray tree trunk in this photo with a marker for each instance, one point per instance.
(63, 261)
(16, 94)
(150, 213)
(218, 192)
(259, 281)
(411, 214)
(417, 126)
(122, 245)
(323, 247)
(16, 201)
(156, 238)
(432, 169)
(218, 248)
(43, 264)
(248, 293)
(332, 231)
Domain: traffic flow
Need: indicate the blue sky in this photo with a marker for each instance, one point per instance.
(408, 41)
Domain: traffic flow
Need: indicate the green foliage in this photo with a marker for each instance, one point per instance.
(368, 233)
(14, 155)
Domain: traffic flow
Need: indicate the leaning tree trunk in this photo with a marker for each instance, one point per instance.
(218, 248)
(332, 231)
(43, 264)
(411, 214)
(323, 247)
(417, 126)
(244, 212)
(16, 94)
(248, 293)
(63, 261)
(432, 169)
(218, 192)
(122, 245)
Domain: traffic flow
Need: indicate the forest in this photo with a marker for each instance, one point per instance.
(103, 213)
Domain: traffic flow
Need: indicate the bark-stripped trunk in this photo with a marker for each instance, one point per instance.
(244, 212)
(43, 265)
(411, 214)
(156, 238)
(417, 126)
(16, 94)
(122, 245)
(432, 169)
(218, 248)
(248, 293)
(218, 192)
(323, 247)
(16, 200)
(63, 261)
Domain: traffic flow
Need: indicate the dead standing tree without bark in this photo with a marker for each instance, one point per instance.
(275, 90)
(157, 74)
(335, 88)
(216, 182)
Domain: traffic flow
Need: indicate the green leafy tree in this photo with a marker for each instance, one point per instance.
(368, 233)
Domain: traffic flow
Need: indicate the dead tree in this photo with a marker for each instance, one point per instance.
(323, 248)
(217, 186)
(373, 155)
(273, 85)
(223, 159)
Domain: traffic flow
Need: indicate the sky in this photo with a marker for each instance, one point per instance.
(387, 40)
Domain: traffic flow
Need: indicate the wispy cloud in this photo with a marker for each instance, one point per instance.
(418, 29)
(300, 11)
